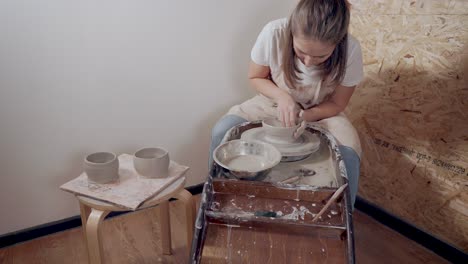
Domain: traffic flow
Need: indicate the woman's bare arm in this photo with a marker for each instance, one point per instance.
(332, 107)
(259, 79)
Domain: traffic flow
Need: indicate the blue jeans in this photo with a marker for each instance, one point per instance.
(220, 129)
(350, 157)
(353, 167)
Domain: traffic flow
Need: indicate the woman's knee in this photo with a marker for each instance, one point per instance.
(224, 124)
(349, 155)
(219, 130)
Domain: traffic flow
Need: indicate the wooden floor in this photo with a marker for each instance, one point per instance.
(134, 238)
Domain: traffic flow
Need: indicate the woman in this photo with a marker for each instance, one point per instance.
(308, 62)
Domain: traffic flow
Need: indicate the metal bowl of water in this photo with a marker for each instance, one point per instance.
(247, 160)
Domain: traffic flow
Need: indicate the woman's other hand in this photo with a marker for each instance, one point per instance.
(332, 107)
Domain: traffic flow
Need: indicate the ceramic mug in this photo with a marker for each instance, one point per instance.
(152, 162)
(101, 167)
(277, 133)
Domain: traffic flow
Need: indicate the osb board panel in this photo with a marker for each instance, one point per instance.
(425, 7)
(410, 7)
(376, 6)
(412, 115)
(458, 7)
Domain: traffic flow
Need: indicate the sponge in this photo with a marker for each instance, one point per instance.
(265, 213)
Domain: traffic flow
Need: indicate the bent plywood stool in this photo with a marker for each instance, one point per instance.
(93, 213)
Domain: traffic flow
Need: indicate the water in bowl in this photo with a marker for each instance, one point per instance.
(247, 163)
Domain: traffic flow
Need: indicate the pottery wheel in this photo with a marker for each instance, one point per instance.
(306, 144)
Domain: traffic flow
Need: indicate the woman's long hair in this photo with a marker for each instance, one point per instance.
(326, 21)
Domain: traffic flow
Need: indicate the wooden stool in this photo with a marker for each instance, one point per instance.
(94, 211)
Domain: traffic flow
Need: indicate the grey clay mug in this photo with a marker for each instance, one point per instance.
(152, 162)
(101, 167)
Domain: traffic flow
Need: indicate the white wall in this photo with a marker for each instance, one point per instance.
(113, 75)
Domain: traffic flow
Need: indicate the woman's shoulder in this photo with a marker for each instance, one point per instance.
(353, 43)
(276, 26)
(267, 48)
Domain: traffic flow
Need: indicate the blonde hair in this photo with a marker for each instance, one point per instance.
(321, 20)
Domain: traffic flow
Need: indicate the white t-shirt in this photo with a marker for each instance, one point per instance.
(267, 51)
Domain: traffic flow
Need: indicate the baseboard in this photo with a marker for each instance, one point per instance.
(27, 234)
(439, 247)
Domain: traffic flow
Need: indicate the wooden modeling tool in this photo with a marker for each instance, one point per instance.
(332, 200)
(291, 179)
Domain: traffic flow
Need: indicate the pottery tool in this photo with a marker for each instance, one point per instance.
(302, 173)
(300, 130)
(332, 199)
(291, 179)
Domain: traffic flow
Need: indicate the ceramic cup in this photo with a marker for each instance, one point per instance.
(101, 167)
(277, 133)
(152, 162)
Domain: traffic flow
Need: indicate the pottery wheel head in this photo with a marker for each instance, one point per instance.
(298, 140)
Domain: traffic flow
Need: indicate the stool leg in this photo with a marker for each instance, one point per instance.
(165, 226)
(94, 236)
(84, 213)
(187, 200)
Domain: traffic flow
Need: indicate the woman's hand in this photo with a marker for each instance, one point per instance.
(287, 110)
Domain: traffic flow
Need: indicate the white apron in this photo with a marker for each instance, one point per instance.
(261, 107)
